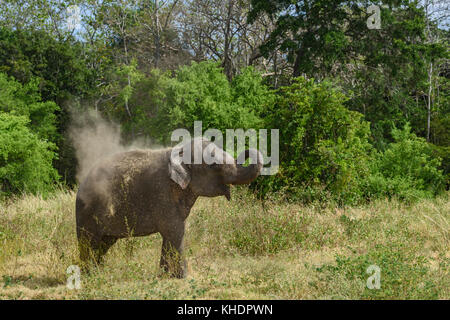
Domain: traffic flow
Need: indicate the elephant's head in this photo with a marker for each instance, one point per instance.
(217, 170)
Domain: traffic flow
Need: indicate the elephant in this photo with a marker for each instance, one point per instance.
(142, 192)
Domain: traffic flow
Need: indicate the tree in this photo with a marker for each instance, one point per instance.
(218, 30)
(325, 147)
(25, 160)
(407, 169)
(200, 91)
(49, 16)
(60, 73)
(330, 39)
(164, 49)
(312, 33)
(26, 101)
(435, 13)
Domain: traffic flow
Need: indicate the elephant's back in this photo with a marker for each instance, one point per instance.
(120, 165)
(119, 185)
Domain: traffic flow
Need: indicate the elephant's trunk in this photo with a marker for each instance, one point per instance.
(243, 175)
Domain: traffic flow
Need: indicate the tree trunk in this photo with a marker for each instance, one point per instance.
(227, 65)
(430, 87)
(157, 35)
(298, 60)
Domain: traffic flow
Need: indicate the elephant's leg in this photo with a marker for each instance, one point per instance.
(93, 248)
(86, 246)
(172, 259)
(103, 246)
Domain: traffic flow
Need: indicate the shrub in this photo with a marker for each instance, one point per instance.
(444, 154)
(24, 100)
(200, 91)
(25, 160)
(407, 169)
(324, 148)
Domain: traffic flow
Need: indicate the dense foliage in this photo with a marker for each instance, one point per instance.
(25, 160)
(363, 112)
(408, 169)
(200, 91)
(324, 148)
(27, 135)
(26, 101)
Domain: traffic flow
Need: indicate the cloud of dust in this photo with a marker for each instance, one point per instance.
(95, 138)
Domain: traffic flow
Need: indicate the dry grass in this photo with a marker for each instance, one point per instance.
(243, 249)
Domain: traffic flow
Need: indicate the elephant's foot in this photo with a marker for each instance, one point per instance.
(173, 265)
(92, 250)
(179, 274)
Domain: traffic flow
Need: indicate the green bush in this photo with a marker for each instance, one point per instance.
(60, 66)
(444, 154)
(25, 160)
(407, 169)
(324, 148)
(201, 91)
(24, 100)
(27, 138)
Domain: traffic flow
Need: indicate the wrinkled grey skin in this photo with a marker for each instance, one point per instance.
(138, 193)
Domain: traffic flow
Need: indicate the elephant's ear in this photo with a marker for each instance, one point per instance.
(178, 171)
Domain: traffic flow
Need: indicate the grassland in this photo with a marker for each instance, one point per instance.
(243, 249)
